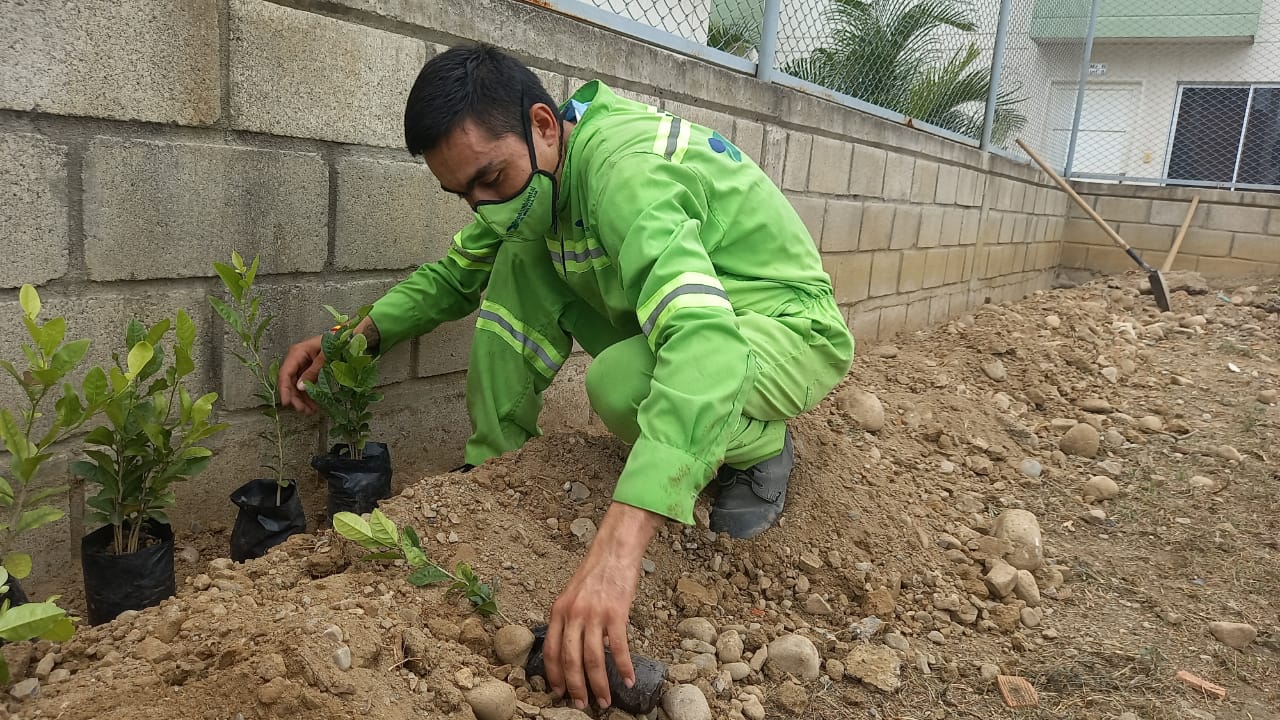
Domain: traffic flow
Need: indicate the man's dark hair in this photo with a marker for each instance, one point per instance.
(477, 82)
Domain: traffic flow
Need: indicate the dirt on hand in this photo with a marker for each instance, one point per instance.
(958, 541)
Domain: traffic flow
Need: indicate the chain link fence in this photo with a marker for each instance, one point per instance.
(1180, 92)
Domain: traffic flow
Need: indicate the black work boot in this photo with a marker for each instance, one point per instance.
(751, 500)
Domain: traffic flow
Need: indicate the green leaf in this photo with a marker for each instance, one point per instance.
(62, 630)
(95, 387)
(4, 579)
(30, 301)
(428, 575)
(412, 548)
(45, 494)
(186, 330)
(252, 272)
(18, 564)
(69, 410)
(237, 261)
(6, 492)
(389, 555)
(33, 519)
(201, 408)
(382, 529)
(134, 333)
(69, 356)
(230, 279)
(356, 529)
(4, 668)
(139, 355)
(228, 314)
(52, 334)
(29, 621)
(157, 331)
(14, 440)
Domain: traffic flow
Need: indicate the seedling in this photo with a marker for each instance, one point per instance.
(379, 535)
(31, 621)
(243, 314)
(345, 386)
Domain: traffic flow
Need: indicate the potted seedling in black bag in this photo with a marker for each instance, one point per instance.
(151, 440)
(357, 472)
(270, 509)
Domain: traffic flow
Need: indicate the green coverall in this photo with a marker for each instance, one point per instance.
(680, 268)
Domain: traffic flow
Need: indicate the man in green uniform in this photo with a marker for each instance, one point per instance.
(675, 263)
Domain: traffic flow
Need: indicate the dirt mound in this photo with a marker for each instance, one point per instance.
(967, 537)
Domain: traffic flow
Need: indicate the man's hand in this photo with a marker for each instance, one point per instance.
(302, 364)
(594, 608)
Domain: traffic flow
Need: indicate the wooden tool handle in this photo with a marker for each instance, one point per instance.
(1111, 233)
(1182, 231)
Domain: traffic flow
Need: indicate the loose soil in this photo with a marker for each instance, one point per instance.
(885, 542)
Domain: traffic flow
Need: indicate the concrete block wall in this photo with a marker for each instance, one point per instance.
(1232, 236)
(140, 140)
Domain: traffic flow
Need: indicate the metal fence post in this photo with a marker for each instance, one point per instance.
(997, 63)
(768, 40)
(1084, 80)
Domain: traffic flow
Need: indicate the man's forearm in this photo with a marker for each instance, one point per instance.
(626, 531)
(373, 339)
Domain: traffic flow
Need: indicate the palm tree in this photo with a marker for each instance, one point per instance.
(890, 53)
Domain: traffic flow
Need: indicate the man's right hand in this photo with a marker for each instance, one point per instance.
(301, 363)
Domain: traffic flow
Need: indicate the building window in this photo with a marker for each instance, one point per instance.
(1226, 134)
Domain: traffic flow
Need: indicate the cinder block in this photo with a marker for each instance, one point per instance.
(1019, 258)
(299, 311)
(33, 209)
(392, 215)
(939, 310)
(1109, 260)
(969, 226)
(867, 174)
(101, 317)
(1017, 195)
(1074, 256)
(952, 226)
(892, 321)
(1185, 261)
(850, 275)
(447, 348)
(1085, 231)
(906, 227)
(1074, 211)
(885, 265)
(1021, 230)
(749, 137)
(986, 262)
(150, 60)
(930, 227)
(841, 226)
(935, 267)
(980, 187)
(1042, 199)
(1147, 237)
(899, 173)
(912, 274)
(917, 315)
(1214, 243)
(948, 178)
(1262, 248)
(775, 153)
(864, 325)
(1008, 227)
(717, 121)
(1232, 269)
(829, 166)
(1273, 224)
(810, 211)
(799, 149)
(158, 209)
(556, 86)
(1120, 209)
(877, 227)
(989, 228)
(924, 182)
(1236, 218)
(970, 191)
(306, 75)
(970, 253)
(1029, 200)
(1003, 192)
(955, 265)
(1164, 212)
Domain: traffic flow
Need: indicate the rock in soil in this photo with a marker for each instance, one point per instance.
(1022, 530)
(1099, 487)
(794, 654)
(512, 644)
(1233, 634)
(1026, 589)
(1001, 578)
(988, 672)
(752, 709)
(1228, 453)
(474, 637)
(729, 647)
(685, 702)
(492, 700)
(737, 670)
(875, 665)
(791, 697)
(1269, 397)
(25, 689)
(697, 628)
(1081, 440)
(863, 407)
(816, 605)
(995, 370)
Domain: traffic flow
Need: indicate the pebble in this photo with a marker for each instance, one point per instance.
(1001, 578)
(583, 529)
(876, 665)
(946, 467)
(1031, 468)
(1053, 321)
(682, 672)
(1182, 381)
(1099, 487)
(1050, 634)
(736, 670)
(579, 492)
(995, 370)
(1026, 590)
(794, 654)
(1151, 423)
(334, 633)
(810, 562)
(863, 407)
(1081, 440)
(1200, 482)
(835, 670)
(936, 637)
(896, 641)
(25, 689)
(1098, 406)
(686, 702)
(1269, 397)
(885, 351)
(1111, 374)
(275, 689)
(201, 582)
(752, 709)
(1022, 530)
(697, 646)
(512, 644)
(816, 605)
(698, 628)
(1113, 438)
(792, 697)
(342, 658)
(189, 554)
(492, 700)
(729, 647)
(1233, 634)
(45, 666)
(1031, 617)
(1228, 453)
(1096, 516)
(59, 675)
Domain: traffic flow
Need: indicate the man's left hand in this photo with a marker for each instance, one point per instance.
(594, 608)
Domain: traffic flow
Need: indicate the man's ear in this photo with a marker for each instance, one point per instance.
(545, 123)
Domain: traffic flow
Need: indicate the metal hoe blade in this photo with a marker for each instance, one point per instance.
(1159, 290)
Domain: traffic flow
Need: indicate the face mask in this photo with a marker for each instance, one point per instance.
(530, 214)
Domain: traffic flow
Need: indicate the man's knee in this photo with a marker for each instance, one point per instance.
(617, 382)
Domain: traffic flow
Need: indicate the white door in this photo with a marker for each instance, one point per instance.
(1105, 122)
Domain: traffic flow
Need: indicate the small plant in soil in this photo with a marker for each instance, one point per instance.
(385, 541)
(30, 621)
(345, 388)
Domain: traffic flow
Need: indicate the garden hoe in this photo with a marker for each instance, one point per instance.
(1158, 289)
